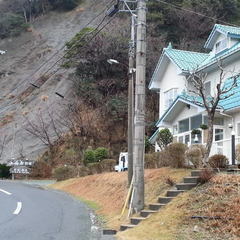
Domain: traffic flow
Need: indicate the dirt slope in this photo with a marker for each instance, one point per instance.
(24, 56)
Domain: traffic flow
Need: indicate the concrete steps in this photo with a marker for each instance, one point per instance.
(196, 173)
(155, 206)
(165, 200)
(191, 180)
(124, 227)
(188, 184)
(185, 186)
(146, 213)
(174, 193)
(136, 220)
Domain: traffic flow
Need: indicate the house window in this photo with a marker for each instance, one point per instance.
(196, 121)
(221, 45)
(218, 134)
(207, 89)
(169, 97)
(184, 125)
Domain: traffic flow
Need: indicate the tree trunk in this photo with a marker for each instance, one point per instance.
(209, 137)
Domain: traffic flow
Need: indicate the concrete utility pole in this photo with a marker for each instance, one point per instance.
(139, 138)
(131, 102)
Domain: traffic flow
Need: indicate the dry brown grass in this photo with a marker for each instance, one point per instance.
(109, 190)
(221, 199)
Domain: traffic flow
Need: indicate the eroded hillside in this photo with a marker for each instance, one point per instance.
(20, 65)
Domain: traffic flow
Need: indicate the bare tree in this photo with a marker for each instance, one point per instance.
(211, 103)
(45, 129)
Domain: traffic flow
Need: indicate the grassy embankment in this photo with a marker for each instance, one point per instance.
(219, 198)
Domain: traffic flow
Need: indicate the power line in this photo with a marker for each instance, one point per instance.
(42, 65)
(196, 13)
(90, 40)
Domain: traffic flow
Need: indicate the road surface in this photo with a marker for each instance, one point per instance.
(32, 213)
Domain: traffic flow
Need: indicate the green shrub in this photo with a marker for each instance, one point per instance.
(101, 153)
(41, 169)
(165, 137)
(65, 4)
(89, 156)
(218, 161)
(11, 25)
(108, 165)
(4, 171)
(64, 172)
(195, 155)
(147, 145)
(176, 154)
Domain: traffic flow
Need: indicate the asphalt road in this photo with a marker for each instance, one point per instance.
(33, 213)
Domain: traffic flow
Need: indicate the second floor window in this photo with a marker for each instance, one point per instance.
(221, 45)
(169, 97)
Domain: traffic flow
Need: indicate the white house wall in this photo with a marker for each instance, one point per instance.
(170, 80)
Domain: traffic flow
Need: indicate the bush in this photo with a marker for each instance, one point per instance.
(205, 175)
(95, 168)
(101, 153)
(108, 165)
(89, 156)
(41, 170)
(65, 4)
(11, 25)
(157, 159)
(218, 161)
(176, 153)
(4, 171)
(165, 137)
(195, 155)
(64, 172)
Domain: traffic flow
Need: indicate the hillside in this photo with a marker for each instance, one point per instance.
(217, 200)
(99, 90)
(44, 39)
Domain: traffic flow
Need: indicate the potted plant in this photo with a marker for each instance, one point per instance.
(204, 126)
(196, 131)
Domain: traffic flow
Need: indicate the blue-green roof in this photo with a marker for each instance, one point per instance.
(228, 29)
(214, 58)
(185, 60)
(234, 100)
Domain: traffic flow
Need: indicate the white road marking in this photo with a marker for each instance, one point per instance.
(18, 209)
(8, 193)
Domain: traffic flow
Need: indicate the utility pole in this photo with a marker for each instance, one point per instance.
(131, 72)
(131, 101)
(139, 133)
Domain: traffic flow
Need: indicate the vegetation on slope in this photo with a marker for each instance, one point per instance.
(16, 15)
(217, 201)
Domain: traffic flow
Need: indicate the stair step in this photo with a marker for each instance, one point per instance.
(136, 220)
(191, 179)
(174, 193)
(109, 232)
(156, 206)
(146, 213)
(196, 173)
(185, 186)
(165, 200)
(126, 226)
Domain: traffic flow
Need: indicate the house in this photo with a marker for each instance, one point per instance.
(177, 109)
